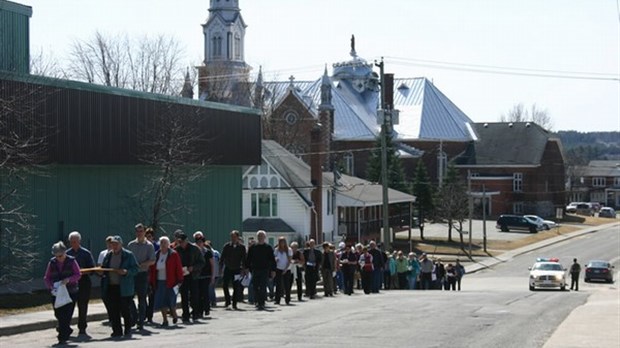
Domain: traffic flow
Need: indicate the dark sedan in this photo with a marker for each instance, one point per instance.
(599, 270)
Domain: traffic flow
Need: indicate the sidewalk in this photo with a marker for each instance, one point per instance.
(42, 320)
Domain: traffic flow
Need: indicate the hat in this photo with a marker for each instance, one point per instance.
(423, 254)
(181, 236)
(341, 245)
(116, 239)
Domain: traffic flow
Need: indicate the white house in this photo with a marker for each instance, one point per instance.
(277, 199)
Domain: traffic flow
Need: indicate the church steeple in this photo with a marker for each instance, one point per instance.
(188, 89)
(224, 77)
(326, 92)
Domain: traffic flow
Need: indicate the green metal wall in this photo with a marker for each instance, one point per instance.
(14, 37)
(95, 200)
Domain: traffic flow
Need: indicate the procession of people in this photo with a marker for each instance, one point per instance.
(155, 271)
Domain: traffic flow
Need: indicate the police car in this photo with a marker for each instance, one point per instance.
(547, 273)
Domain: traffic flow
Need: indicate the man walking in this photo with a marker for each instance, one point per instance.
(232, 260)
(261, 262)
(117, 286)
(85, 260)
(575, 269)
(313, 259)
(426, 272)
(377, 262)
(192, 262)
(144, 252)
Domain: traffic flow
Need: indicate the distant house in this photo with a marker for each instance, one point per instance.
(277, 198)
(599, 181)
(519, 165)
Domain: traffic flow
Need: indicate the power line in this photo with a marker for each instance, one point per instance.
(489, 69)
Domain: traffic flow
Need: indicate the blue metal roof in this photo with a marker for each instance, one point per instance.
(425, 112)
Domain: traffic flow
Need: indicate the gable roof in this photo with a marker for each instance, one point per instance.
(267, 224)
(425, 112)
(506, 144)
(354, 191)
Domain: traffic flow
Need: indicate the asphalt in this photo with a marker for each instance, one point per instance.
(600, 311)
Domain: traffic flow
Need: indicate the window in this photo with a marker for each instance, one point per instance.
(598, 181)
(237, 46)
(291, 118)
(617, 182)
(442, 166)
(330, 202)
(349, 163)
(517, 208)
(517, 182)
(265, 204)
(216, 43)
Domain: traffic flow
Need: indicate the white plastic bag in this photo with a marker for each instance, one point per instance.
(245, 281)
(62, 296)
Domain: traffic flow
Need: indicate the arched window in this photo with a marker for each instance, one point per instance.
(349, 164)
(216, 48)
(237, 46)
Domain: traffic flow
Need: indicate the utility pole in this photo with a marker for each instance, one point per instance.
(471, 209)
(484, 217)
(385, 111)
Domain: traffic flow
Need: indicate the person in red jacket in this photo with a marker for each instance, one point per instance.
(164, 275)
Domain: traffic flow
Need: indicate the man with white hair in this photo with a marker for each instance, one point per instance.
(84, 259)
(262, 263)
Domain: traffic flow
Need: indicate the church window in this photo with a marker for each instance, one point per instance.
(237, 46)
(216, 43)
(348, 163)
(229, 45)
(291, 118)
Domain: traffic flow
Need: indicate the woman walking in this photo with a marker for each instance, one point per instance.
(62, 270)
(165, 274)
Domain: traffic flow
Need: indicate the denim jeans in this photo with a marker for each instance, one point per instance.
(377, 279)
(260, 278)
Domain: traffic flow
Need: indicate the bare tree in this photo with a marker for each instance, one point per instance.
(43, 64)
(22, 149)
(218, 82)
(452, 202)
(171, 147)
(519, 113)
(148, 64)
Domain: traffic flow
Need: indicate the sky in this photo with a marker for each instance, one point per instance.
(485, 55)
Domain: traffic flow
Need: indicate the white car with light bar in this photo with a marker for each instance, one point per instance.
(547, 273)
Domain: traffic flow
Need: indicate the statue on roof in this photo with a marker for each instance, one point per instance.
(353, 53)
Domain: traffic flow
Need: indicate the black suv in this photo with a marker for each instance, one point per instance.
(517, 222)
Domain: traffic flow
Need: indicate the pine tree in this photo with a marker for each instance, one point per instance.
(423, 191)
(396, 174)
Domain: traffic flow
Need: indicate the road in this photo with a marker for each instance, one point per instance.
(494, 309)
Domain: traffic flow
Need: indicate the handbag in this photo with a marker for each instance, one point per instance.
(62, 296)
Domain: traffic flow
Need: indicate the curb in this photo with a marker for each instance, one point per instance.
(509, 255)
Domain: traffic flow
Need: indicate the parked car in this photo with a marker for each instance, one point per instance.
(516, 222)
(546, 224)
(572, 207)
(547, 273)
(598, 269)
(607, 212)
(585, 209)
(596, 206)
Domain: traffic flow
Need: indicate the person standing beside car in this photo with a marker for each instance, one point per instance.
(575, 269)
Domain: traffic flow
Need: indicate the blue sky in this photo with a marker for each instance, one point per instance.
(480, 45)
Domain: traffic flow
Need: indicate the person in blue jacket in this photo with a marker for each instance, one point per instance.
(118, 286)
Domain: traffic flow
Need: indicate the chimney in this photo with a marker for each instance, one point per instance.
(316, 178)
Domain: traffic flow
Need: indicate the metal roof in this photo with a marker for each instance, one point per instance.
(350, 191)
(14, 7)
(425, 112)
(267, 224)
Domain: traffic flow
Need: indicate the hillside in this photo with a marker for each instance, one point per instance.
(582, 147)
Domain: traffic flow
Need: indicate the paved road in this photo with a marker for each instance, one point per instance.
(494, 309)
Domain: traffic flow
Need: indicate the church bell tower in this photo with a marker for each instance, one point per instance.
(224, 75)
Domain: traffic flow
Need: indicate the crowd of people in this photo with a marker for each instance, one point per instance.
(155, 271)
